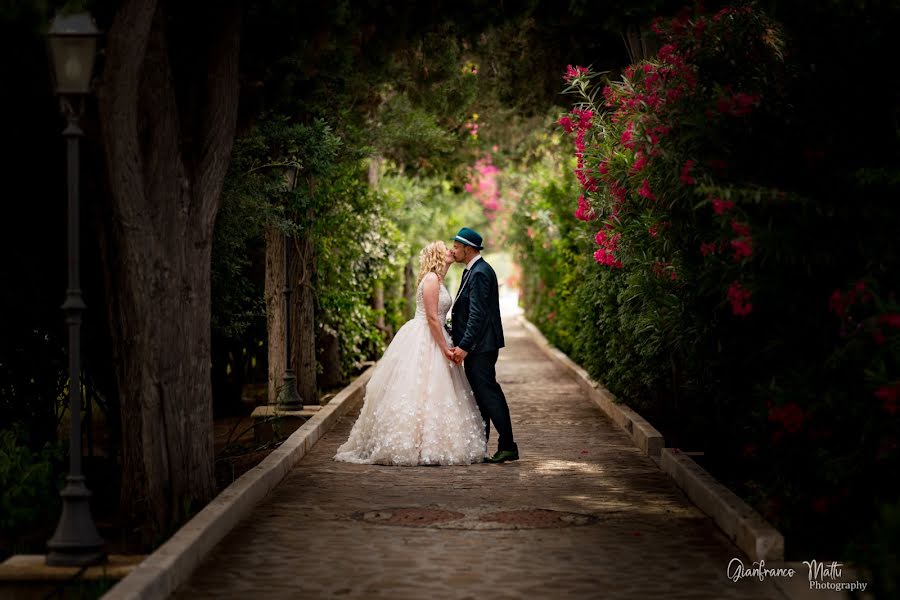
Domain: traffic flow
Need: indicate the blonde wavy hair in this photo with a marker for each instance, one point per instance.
(431, 260)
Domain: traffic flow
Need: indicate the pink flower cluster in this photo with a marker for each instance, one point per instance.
(889, 395)
(579, 122)
(742, 245)
(740, 299)
(685, 176)
(790, 416)
(664, 269)
(645, 191)
(606, 255)
(483, 184)
(573, 73)
(720, 207)
(840, 303)
(645, 107)
(708, 248)
(738, 105)
(584, 212)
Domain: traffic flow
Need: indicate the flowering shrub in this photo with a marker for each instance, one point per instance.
(702, 288)
(641, 160)
(484, 185)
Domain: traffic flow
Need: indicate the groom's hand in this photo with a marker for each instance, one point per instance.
(459, 355)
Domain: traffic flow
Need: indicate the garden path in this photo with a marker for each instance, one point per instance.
(358, 531)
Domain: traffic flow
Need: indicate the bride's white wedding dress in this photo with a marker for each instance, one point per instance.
(419, 408)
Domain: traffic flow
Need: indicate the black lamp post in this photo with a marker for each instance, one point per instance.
(73, 43)
(288, 397)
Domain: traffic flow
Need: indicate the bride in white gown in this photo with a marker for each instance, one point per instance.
(419, 408)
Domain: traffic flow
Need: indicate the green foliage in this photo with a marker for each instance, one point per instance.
(29, 481)
(410, 135)
(357, 245)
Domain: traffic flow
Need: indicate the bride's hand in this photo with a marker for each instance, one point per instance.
(448, 353)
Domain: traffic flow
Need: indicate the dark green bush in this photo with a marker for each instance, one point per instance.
(29, 482)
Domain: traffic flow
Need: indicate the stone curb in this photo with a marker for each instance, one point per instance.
(160, 574)
(644, 435)
(744, 526)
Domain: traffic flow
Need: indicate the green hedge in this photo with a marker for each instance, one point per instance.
(730, 276)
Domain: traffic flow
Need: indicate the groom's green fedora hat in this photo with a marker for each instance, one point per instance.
(469, 237)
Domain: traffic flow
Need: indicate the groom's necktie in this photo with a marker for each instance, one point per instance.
(462, 281)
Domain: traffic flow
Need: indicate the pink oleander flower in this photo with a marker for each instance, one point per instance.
(640, 163)
(666, 52)
(603, 167)
(892, 320)
(708, 248)
(740, 228)
(627, 136)
(738, 105)
(739, 298)
(573, 73)
(790, 416)
(685, 176)
(836, 303)
(700, 27)
(645, 191)
(618, 192)
(720, 207)
(484, 185)
(743, 247)
(567, 124)
(664, 269)
(608, 246)
(657, 133)
(889, 395)
(585, 117)
(609, 94)
(584, 212)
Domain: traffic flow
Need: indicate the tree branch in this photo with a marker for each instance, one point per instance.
(219, 122)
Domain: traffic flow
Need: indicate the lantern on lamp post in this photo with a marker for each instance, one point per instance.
(72, 42)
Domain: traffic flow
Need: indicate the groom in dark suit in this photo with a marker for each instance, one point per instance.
(477, 338)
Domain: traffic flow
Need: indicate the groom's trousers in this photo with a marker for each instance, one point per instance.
(482, 374)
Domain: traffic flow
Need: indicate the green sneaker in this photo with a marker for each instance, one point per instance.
(503, 456)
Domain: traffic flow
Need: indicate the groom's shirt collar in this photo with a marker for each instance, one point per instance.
(473, 261)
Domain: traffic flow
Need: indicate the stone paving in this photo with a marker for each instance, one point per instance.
(624, 530)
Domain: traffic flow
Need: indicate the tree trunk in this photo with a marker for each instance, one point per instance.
(165, 187)
(378, 306)
(409, 289)
(275, 310)
(329, 351)
(640, 43)
(303, 319)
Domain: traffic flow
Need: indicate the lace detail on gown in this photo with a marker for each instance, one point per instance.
(419, 407)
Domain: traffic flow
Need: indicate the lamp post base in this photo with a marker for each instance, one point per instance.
(76, 542)
(289, 398)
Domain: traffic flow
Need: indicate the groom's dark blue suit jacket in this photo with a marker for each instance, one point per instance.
(475, 321)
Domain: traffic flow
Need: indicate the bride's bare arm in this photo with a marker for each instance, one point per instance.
(431, 291)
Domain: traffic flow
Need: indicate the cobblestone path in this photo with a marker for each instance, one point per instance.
(622, 530)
